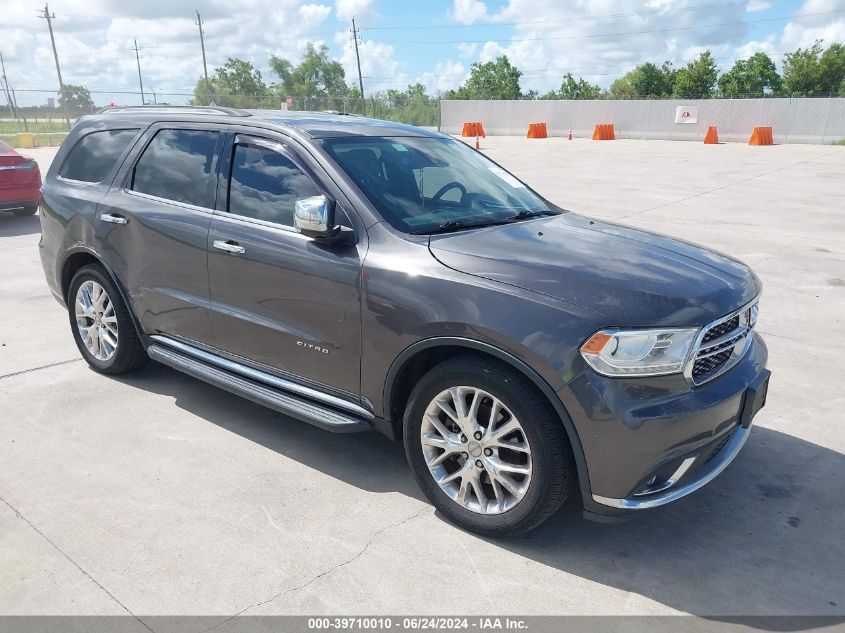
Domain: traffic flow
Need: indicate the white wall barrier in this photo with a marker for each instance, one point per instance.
(793, 120)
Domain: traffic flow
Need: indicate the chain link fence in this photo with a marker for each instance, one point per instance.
(794, 120)
(42, 113)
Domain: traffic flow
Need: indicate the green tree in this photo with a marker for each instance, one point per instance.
(832, 63)
(413, 106)
(76, 98)
(571, 88)
(645, 81)
(236, 84)
(802, 71)
(315, 76)
(756, 75)
(697, 79)
(498, 79)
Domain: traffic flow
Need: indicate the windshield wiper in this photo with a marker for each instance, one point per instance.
(525, 214)
(457, 225)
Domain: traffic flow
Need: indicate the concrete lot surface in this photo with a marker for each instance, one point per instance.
(157, 494)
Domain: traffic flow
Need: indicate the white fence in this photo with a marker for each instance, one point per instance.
(797, 120)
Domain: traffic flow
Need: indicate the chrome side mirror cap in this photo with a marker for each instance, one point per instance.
(314, 217)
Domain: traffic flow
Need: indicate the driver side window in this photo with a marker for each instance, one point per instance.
(265, 184)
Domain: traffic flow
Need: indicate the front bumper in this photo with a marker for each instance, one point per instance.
(650, 441)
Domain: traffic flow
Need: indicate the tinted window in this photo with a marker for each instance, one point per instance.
(418, 184)
(178, 165)
(93, 157)
(265, 185)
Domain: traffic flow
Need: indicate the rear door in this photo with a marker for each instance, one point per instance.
(280, 299)
(155, 227)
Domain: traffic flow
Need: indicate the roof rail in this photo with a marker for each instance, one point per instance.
(209, 110)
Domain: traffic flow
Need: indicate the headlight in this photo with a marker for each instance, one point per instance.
(638, 352)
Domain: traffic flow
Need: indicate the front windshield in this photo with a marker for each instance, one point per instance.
(424, 184)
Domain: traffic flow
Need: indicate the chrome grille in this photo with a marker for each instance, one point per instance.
(721, 344)
(717, 331)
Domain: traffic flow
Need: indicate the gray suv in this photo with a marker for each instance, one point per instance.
(360, 274)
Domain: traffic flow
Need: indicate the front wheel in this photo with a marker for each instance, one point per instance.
(486, 448)
(101, 324)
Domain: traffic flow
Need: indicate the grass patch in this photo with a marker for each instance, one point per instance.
(11, 127)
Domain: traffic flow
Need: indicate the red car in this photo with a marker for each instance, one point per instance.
(20, 182)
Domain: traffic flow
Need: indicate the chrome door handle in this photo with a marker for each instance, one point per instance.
(113, 218)
(229, 246)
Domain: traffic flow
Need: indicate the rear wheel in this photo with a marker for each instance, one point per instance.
(486, 447)
(27, 210)
(101, 324)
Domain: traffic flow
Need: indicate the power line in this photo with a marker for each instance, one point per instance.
(138, 61)
(357, 57)
(7, 91)
(62, 97)
(204, 64)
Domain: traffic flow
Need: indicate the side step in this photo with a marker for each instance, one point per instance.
(294, 406)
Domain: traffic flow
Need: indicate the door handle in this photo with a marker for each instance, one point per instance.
(114, 218)
(229, 246)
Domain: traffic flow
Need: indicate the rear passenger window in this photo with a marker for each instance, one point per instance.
(94, 156)
(265, 185)
(178, 165)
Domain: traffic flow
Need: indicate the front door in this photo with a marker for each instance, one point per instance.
(280, 299)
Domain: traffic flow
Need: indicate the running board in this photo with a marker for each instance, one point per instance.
(323, 417)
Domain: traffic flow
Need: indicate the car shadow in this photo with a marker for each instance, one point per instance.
(766, 537)
(12, 225)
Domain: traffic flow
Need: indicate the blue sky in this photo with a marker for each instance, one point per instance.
(432, 41)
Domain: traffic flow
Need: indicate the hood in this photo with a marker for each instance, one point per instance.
(632, 277)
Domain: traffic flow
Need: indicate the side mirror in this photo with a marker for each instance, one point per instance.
(314, 217)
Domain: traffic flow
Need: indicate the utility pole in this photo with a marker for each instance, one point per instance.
(204, 65)
(7, 92)
(140, 81)
(358, 58)
(49, 17)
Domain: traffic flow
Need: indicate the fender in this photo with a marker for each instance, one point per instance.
(80, 248)
(456, 341)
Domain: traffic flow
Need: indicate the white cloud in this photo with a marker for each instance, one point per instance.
(757, 5)
(829, 27)
(446, 76)
(358, 9)
(467, 49)
(601, 39)
(468, 11)
(379, 66)
(94, 39)
(764, 46)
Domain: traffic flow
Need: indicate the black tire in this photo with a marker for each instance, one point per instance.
(27, 210)
(553, 471)
(129, 353)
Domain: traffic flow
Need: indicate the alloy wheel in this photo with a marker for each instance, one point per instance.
(96, 320)
(476, 450)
